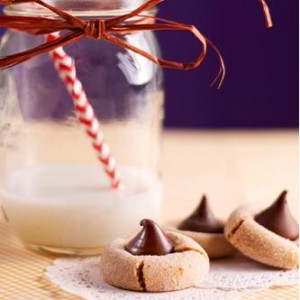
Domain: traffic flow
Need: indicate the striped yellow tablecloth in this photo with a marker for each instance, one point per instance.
(22, 275)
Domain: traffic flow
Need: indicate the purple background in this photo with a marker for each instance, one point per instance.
(261, 86)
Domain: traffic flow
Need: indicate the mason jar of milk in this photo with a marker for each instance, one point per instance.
(53, 188)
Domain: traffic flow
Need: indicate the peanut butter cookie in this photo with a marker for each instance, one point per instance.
(154, 261)
(269, 237)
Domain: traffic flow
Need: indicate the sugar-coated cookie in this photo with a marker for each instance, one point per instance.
(154, 261)
(205, 229)
(268, 237)
(214, 244)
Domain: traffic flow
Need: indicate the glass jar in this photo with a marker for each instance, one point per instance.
(54, 191)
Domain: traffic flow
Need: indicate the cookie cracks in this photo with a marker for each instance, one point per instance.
(235, 228)
(140, 276)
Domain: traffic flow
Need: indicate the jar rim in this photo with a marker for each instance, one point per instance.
(32, 9)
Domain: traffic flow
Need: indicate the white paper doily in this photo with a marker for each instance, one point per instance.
(228, 279)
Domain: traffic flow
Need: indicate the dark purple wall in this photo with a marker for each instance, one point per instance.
(261, 86)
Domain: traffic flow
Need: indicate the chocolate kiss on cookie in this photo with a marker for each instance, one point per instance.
(202, 220)
(279, 219)
(150, 241)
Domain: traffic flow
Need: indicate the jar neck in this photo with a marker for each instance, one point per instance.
(80, 8)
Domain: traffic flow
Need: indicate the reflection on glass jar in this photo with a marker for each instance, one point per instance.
(54, 191)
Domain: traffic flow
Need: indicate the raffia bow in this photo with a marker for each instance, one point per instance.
(107, 29)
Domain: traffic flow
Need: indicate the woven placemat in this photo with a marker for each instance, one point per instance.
(22, 275)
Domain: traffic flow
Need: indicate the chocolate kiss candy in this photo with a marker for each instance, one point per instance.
(150, 241)
(279, 219)
(202, 220)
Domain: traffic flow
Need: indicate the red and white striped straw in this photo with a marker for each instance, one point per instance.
(65, 66)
